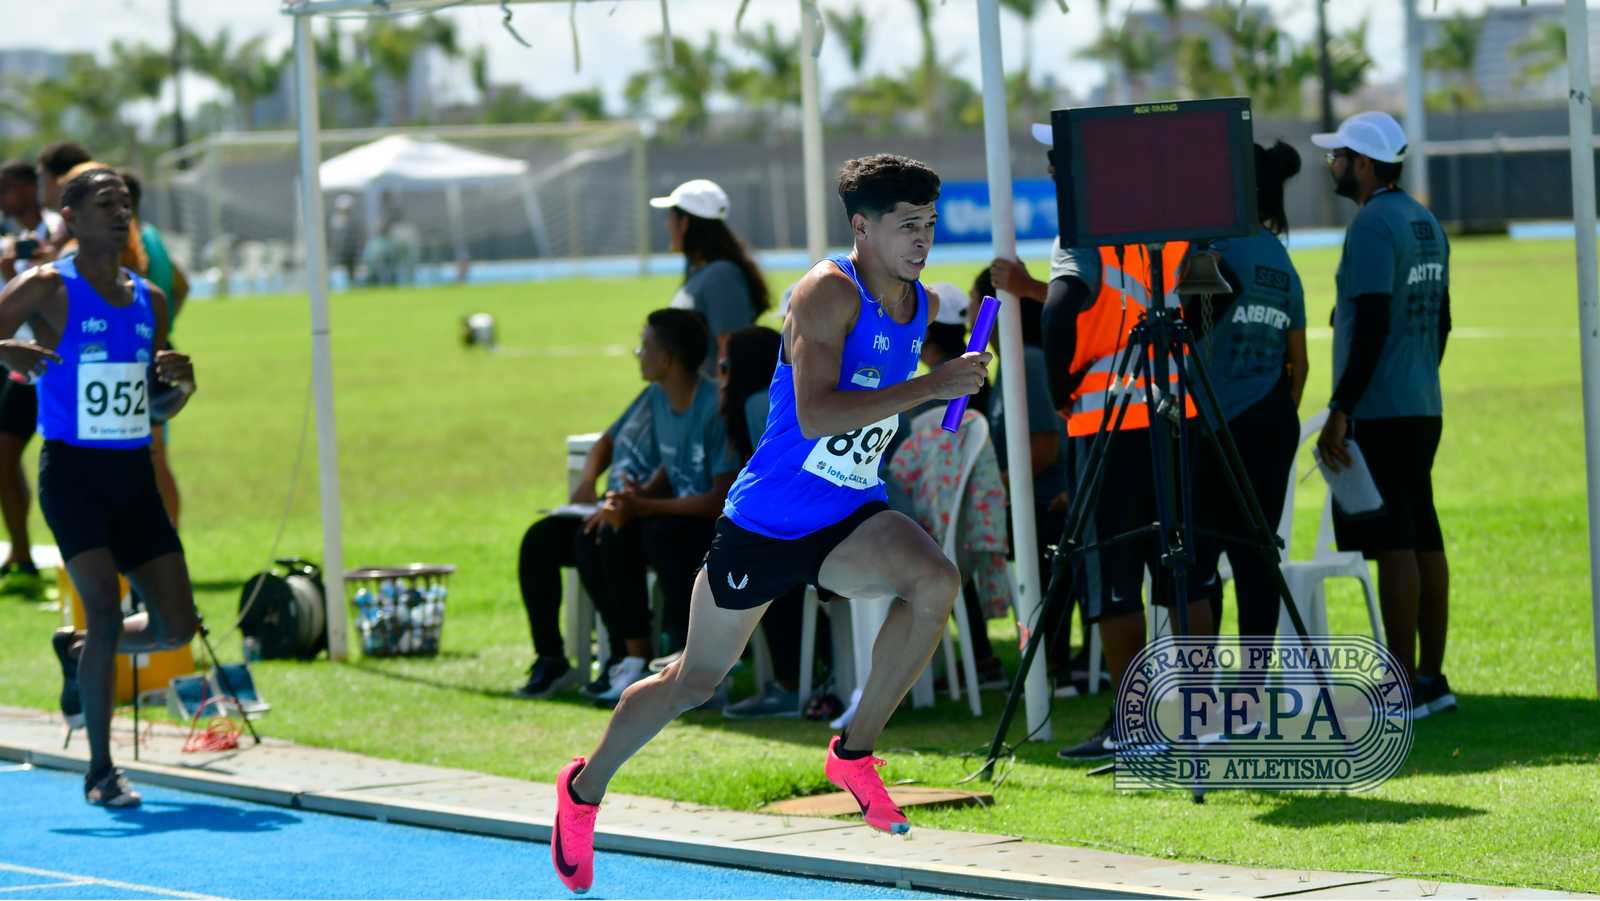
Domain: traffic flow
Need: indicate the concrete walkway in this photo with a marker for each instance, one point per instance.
(290, 775)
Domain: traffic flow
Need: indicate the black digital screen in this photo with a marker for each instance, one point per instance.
(1183, 170)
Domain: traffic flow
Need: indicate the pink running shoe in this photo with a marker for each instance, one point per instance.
(860, 778)
(572, 841)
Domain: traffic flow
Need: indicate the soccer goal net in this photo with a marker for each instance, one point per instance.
(404, 204)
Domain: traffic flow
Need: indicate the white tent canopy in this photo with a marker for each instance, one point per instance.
(398, 163)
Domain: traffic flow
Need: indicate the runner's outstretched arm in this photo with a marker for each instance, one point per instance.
(822, 311)
(23, 297)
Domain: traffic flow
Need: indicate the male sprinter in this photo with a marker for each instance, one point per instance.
(99, 333)
(809, 505)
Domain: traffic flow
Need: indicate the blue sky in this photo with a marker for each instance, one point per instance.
(606, 27)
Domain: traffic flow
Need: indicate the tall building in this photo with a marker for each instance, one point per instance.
(22, 64)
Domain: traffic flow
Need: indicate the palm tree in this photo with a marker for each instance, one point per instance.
(774, 83)
(1027, 101)
(1455, 53)
(852, 30)
(1546, 42)
(1135, 52)
(688, 83)
(392, 48)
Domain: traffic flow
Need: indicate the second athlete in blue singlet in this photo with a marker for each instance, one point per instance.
(104, 373)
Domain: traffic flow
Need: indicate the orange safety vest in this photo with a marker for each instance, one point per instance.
(1103, 333)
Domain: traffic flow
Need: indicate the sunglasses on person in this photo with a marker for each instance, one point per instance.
(1335, 154)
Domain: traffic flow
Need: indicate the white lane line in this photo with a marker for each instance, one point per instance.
(76, 879)
(26, 888)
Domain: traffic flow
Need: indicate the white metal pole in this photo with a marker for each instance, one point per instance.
(1580, 110)
(1416, 109)
(305, 68)
(1014, 387)
(816, 179)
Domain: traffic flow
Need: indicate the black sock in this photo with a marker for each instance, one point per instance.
(572, 791)
(844, 753)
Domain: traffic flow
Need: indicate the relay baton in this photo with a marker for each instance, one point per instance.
(981, 327)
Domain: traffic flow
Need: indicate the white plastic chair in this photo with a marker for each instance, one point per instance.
(867, 615)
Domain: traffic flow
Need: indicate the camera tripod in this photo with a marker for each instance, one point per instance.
(1159, 341)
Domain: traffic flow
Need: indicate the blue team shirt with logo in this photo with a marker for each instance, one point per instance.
(795, 485)
(98, 334)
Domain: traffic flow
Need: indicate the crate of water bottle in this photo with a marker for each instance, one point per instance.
(399, 609)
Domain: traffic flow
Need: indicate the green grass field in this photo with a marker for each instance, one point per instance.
(448, 454)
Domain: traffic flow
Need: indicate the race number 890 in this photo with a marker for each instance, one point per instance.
(851, 459)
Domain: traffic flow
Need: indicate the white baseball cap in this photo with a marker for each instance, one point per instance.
(699, 197)
(1372, 134)
(952, 303)
(1044, 133)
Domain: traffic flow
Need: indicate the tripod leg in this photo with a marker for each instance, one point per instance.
(133, 665)
(222, 678)
(1065, 575)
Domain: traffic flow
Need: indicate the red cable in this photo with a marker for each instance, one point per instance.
(220, 735)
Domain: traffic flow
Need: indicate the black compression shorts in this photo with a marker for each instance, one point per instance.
(95, 497)
(19, 409)
(748, 569)
(1399, 453)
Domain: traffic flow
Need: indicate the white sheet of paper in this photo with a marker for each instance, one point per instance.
(1352, 486)
(576, 511)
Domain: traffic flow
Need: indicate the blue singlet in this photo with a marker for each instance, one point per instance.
(97, 396)
(794, 486)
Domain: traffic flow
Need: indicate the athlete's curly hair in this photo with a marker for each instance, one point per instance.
(78, 186)
(872, 185)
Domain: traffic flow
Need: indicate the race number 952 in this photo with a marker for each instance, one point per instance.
(119, 398)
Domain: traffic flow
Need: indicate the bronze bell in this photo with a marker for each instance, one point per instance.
(1203, 277)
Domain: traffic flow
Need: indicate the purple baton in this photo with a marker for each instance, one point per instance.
(981, 327)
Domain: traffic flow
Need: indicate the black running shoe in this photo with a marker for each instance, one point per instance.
(1099, 747)
(71, 703)
(603, 684)
(1436, 695)
(110, 789)
(548, 677)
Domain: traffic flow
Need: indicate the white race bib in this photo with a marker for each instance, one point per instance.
(851, 460)
(112, 401)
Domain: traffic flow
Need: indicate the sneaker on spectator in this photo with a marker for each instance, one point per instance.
(1098, 747)
(548, 677)
(1435, 696)
(22, 579)
(624, 674)
(771, 701)
(601, 685)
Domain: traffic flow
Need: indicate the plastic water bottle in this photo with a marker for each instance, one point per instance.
(252, 650)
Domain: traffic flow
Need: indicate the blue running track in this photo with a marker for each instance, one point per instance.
(53, 845)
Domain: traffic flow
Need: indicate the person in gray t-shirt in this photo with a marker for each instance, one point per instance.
(1390, 327)
(721, 282)
(667, 522)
